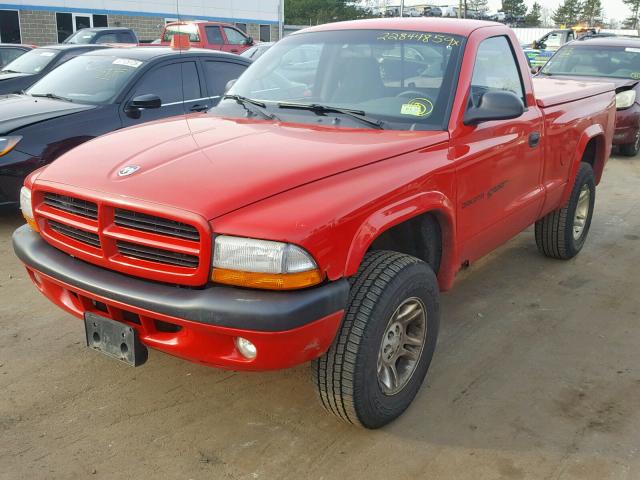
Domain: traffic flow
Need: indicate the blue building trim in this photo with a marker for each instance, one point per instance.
(10, 6)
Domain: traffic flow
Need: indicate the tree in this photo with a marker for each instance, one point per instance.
(514, 8)
(568, 13)
(314, 12)
(534, 16)
(634, 6)
(478, 7)
(591, 12)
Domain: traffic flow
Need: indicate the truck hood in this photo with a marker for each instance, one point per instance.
(18, 111)
(211, 166)
(620, 83)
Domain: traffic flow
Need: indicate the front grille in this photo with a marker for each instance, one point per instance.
(72, 205)
(142, 252)
(75, 233)
(150, 223)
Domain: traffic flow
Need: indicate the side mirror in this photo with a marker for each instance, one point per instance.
(494, 105)
(249, 41)
(534, 45)
(535, 70)
(230, 84)
(142, 102)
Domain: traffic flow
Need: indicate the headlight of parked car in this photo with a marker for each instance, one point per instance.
(27, 208)
(247, 262)
(625, 99)
(8, 143)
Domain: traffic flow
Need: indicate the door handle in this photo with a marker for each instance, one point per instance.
(534, 139)
(199, 108)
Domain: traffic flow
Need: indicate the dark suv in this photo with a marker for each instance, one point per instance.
(103, 35)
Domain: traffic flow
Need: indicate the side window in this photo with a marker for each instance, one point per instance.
(214, 36)
(496, 68)
(8, 55)
(156, 82)
(126, 37)
(219, 73)
(234, 37)
(107, 38)
(553, 40)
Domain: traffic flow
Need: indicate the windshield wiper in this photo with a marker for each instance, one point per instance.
(9, 71)
(319, 109)
(244, 101)
(52, 96)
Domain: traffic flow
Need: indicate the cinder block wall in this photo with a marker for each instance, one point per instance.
(38, 27)
(147, 28)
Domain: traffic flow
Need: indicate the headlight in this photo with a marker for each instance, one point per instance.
(8, 143)
(27, 208)
(248, 262)
(625, 99)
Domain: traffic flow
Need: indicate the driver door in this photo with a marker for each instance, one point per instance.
(499, 163)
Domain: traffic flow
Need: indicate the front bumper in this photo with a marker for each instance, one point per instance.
(199, 325)
(14, 168)
(627, 125)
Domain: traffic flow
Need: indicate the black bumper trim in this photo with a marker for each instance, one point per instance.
(231, 307)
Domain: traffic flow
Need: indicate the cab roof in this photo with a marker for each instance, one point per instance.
(454, 26)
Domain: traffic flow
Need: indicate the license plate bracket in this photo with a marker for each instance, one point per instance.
(114, 339)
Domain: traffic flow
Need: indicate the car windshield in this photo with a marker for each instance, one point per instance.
(404, 79)
(88, 79)
(81, 37)
(595, 61)
(32, 62)
(189, 29)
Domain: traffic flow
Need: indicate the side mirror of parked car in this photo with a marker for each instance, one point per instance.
(494, 105)
(535, 70)
(534, 45)
(142, 102)
(249, 41)
(230, 84)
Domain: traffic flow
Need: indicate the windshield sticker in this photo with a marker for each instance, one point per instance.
(418, 107)
(419, 37)
(632, 50)
(635, 75)
(47, 54)
(127, 62)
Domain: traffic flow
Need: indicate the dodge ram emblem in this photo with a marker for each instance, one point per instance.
(128, 170)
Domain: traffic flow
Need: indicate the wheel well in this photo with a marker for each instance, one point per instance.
(420, 236)
(594, 154)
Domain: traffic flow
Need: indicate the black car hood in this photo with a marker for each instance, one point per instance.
(18, 111)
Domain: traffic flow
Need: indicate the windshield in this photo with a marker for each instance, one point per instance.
(81, 37)
(88, 79)
(189, 29)
(31, 62)
(595, 61)
(406, 79)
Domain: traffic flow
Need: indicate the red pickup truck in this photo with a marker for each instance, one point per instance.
(318, 219)
(211, 35)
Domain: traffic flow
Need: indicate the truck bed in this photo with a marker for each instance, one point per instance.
(553, 91)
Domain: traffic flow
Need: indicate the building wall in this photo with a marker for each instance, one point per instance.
(147, 28)
(38, 27)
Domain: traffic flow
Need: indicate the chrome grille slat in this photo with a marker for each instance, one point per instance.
(75, 233)
(153, 224)
(72, 205)
(157, 255)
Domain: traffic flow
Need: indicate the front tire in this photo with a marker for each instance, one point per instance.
(563, 232)
(631, 149)
(384, 347)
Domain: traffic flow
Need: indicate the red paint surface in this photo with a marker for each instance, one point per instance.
(333, 191)
(204, 39)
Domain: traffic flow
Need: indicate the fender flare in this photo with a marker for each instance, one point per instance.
(403, 210)
(591, 132)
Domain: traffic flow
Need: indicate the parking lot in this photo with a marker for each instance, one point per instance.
(535, 376)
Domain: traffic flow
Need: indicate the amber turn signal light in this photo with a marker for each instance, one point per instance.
(267, 281)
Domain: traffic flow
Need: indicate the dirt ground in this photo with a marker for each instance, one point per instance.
(536, 376)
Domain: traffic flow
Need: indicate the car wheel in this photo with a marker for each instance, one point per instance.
(631, 149)
(381, 354)
(563, 232)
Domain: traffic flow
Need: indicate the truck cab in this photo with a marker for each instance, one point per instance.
(211, 35)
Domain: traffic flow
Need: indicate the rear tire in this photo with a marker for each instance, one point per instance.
(563, 232)
(390, 325)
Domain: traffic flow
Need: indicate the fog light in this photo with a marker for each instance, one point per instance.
(246, 348)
